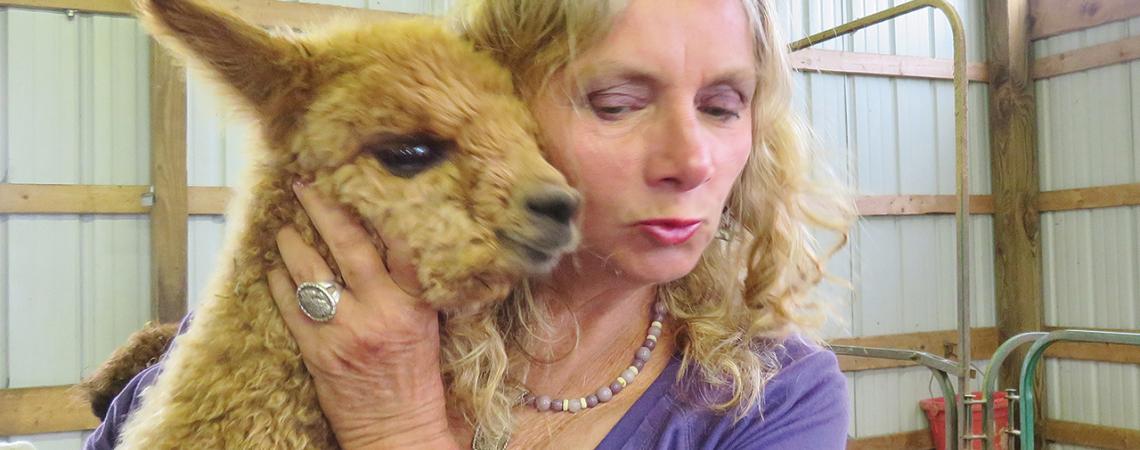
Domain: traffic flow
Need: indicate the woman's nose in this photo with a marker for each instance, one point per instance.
(681, 158)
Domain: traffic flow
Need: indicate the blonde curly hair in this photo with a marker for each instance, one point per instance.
(751, 287)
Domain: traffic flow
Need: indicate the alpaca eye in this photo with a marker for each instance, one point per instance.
(407, 159)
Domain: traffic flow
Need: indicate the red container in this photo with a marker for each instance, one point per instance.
(935, 409)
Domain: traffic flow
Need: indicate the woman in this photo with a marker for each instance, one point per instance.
(672, 119)
(684, 319)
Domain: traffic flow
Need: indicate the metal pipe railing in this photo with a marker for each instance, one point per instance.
(1037, 351)
(989, 381)
(939, 366)
(962, 165)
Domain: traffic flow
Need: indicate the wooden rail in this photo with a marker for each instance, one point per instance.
(1054, 17)
(875, 64)
(268, 13)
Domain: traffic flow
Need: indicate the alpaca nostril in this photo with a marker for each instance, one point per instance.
(556, 204)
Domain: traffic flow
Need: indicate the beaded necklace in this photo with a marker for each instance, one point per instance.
(543, 403)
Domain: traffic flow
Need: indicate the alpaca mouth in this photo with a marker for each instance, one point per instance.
(537, 255)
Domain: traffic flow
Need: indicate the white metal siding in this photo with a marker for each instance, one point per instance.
(74, 111)
(894, 137)
(1087, 137)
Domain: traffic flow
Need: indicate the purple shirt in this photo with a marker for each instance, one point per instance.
(804, 407)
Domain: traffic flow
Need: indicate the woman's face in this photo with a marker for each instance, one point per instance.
(654, 126)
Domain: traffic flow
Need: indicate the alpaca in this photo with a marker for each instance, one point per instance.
(142, 349)
(407, 126)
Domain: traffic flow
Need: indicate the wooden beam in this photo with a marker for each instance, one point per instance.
(213, 200)
(209, 200)
(1102, 55)
(907, 440)
(833, 61)
(91, 6)
(36, 410)
(908, 205)
(1098, 352)
(940, 343)
(1053, 17)
(270, 13)
(1088, 198)
(1078, 327)
(1015, 185)
(168, 217)
(298, 15)
(1090, 435)
(71, 199)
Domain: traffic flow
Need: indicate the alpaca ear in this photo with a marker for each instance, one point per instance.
(241, 55)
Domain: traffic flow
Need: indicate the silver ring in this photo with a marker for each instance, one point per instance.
(318, 299)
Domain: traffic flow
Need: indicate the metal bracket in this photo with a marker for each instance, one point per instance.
(147, 199)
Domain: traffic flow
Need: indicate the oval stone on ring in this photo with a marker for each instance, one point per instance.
(318, 299)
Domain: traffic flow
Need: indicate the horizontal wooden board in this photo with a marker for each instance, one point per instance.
(297, 15)
(213, 200)
(92, 6)
(1087, 198)
(43, 410)
(264, 12)
(833, 61)
(1112, 53)
(72, 199)
(209, 200)
(909, 440)
(908, 205)
(1053, 17)
(1091, 351)
(983, 343)
(1087, 434)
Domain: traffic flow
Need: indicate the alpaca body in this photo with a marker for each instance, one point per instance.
(416, 134)
(250, 390)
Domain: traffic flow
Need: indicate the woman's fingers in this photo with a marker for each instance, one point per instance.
(305, 265)
(283, 291)
(359, 261)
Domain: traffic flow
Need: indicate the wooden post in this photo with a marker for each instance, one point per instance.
(168, 217)
(1013, 148)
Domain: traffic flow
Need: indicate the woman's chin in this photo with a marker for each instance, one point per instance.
(660, 266)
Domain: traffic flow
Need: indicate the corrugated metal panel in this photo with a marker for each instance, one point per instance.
(893, 137)
(1087, 119)
(1091, 258)
(75, 112)
(1090, 262)
(4, 100)
(926, 32)
(1091, 392)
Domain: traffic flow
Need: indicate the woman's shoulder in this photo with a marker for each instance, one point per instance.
(805, 405)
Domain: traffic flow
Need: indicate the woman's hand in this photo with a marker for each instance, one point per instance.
(375, 364)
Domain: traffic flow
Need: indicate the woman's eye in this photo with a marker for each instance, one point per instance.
(407, 159)
(613, 106)
(725, 106)
(720, 112)
(722, 103)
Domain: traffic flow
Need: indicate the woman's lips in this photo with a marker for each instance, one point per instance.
(669, 231)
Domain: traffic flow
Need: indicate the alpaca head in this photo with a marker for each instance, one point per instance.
(405, 124)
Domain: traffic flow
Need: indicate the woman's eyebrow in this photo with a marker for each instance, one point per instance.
(745, 76)
(617, 70)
